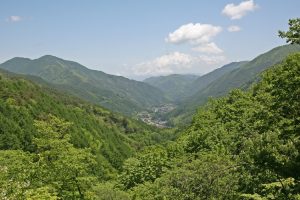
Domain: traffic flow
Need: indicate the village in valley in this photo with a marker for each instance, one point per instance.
(153, 116)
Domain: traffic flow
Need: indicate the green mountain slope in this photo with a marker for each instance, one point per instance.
(179, 87)
(111, 137)
(244, 145)
(174, 86)
(205, 80)
(113, 92)
(241, 146)
(241, 77)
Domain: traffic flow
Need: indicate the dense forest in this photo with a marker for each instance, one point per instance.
(220, 81)
(116, 93)
(244, 145)
(32, 113)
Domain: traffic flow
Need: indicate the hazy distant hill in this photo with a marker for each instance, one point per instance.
(179, 87)
(241, 77)
(113, 92)
(174, 85)
(208, 78)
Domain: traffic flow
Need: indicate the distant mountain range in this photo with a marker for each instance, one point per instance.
(221, 81)
(113, 92)
(174, 86)
(180, 87)
(129, 97)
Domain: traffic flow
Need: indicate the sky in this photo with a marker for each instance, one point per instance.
(142, 38)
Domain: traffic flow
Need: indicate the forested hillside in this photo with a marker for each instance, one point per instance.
(42, 127)
(242, 146)
(206, 79)
(113, 92)
(241, 77)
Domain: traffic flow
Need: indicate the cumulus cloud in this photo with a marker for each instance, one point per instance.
(164, 64)
(199, 36)
(193, 33)
(238, 11)
(208, 48)
(14, 18)
(175, 62)
(234, 28)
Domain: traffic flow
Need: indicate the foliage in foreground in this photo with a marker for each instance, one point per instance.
(243, 146)
(36, 162)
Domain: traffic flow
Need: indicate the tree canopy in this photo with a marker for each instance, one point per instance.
(293, 34)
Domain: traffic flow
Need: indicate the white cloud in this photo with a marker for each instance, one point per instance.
(194, 33)
(208, 48)
(233, 28)
(238, 11)
(14, 18)
(200, 37)
(164, 64)
(176, 62)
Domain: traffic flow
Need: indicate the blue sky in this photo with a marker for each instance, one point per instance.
(140, 38)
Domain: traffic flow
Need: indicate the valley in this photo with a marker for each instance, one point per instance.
(140, 98)
(154, 115)
(149, 100)
(46, 132)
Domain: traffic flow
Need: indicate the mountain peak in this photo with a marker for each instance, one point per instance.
(49, 57)
(117, 93)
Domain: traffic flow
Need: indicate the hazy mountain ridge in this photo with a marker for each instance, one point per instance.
(174, 85)
(113, 92)
(241, 77)
(208, 78)
(131, 97)
(179, 87)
